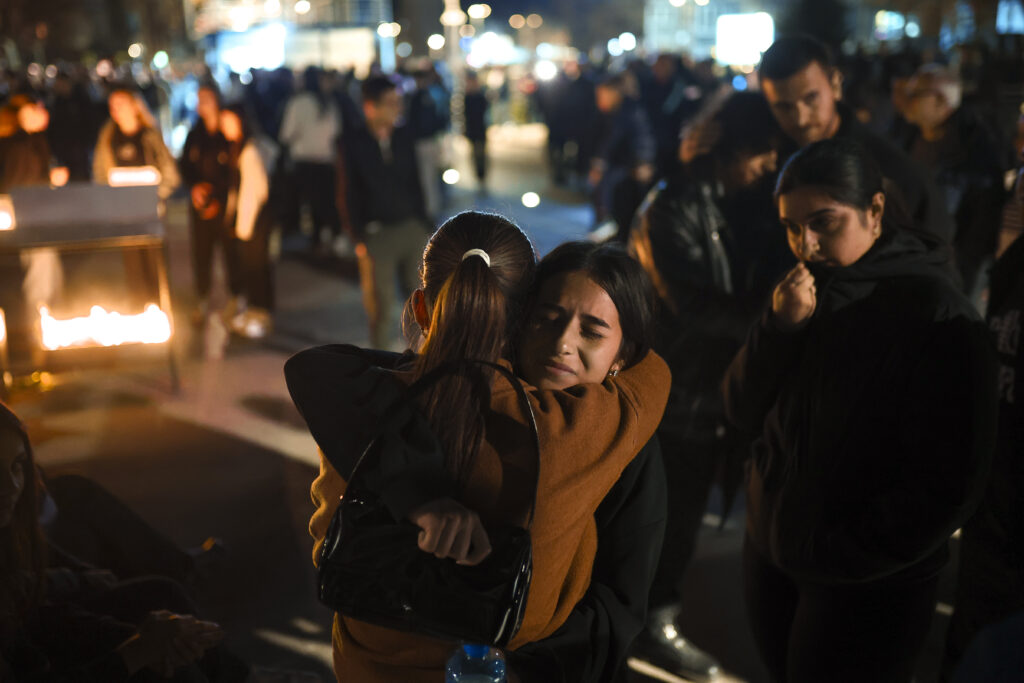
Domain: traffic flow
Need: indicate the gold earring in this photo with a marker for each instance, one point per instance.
(614, 373)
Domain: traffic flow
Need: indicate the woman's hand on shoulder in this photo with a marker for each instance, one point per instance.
(795, 298)
(450, 529)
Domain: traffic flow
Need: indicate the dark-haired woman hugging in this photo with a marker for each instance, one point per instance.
(465, 459)
(871, 382)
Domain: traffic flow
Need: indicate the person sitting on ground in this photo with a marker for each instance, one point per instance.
(50, 637)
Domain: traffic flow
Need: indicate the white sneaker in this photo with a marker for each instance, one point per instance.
(603, 232)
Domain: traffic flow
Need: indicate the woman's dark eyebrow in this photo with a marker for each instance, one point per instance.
(592, 319)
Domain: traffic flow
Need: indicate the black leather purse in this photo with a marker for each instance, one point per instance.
(372, 570)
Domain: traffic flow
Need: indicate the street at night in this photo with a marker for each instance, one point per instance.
(719, 300)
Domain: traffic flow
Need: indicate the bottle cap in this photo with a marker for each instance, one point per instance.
(476, 651)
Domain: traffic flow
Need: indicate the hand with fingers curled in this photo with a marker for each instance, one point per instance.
(449, 529)
(795, 298)
(166, 641)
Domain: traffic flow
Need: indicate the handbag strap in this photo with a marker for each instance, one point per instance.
(456, 367)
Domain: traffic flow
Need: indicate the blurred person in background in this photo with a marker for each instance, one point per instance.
(804, 87)
(73, 125)
(131, 138)
(26, 161)
(671, 97)
(206, 171)
(386, 207)
(476, 106)
(984, 634)
(309, 132)
(966, 161)
(428, 120)
(568, 108)
(622, 166)
(713, 262)
(249, 223)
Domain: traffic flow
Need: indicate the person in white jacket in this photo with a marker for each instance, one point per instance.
(247, 212)
(310, 129)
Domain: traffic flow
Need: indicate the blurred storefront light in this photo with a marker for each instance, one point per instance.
(545, 70)
(451, 176)
(453, 17)
(135, 50)
(534, 21)
(403, 50)
(677, 3)
(272, 8)
(889, 25)
(627, 41)
(614, 47)
(303, 7)
(517, 21)
(389, 30)
(467, 30)
(531, 200)
(435, 41)
(741, 38)
(479, 11)
(493, 48)
(161, 60)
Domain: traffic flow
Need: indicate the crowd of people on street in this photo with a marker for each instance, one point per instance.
(804, 285)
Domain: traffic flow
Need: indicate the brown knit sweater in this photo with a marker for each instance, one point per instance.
(588, 434)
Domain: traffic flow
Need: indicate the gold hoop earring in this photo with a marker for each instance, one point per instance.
(614, 373)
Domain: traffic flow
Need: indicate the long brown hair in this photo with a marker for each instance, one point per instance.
(22, 549)
(474, 309)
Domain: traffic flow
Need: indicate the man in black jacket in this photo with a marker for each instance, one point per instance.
(387, 214)
(713, 261)
(804, 87)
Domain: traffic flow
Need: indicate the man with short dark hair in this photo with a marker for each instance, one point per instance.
(388, 218)
(804, 89)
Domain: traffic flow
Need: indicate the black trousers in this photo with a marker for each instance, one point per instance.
(207, 234)
(480, 158)
(94, 525)
(808, 633)
(315, 185)
(690, 468)
(256, 279)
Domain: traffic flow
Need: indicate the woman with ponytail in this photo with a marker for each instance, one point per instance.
(464, 459)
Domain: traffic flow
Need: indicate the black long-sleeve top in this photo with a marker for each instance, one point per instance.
(876, 420)
(382, 179)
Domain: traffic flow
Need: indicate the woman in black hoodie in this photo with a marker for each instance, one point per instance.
(872, 384)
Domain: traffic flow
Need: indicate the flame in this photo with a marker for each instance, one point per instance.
(103, 328)
(3, 326)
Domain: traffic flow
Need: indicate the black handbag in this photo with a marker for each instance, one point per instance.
(372, 570)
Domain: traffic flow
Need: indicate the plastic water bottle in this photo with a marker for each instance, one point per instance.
(476, 664)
